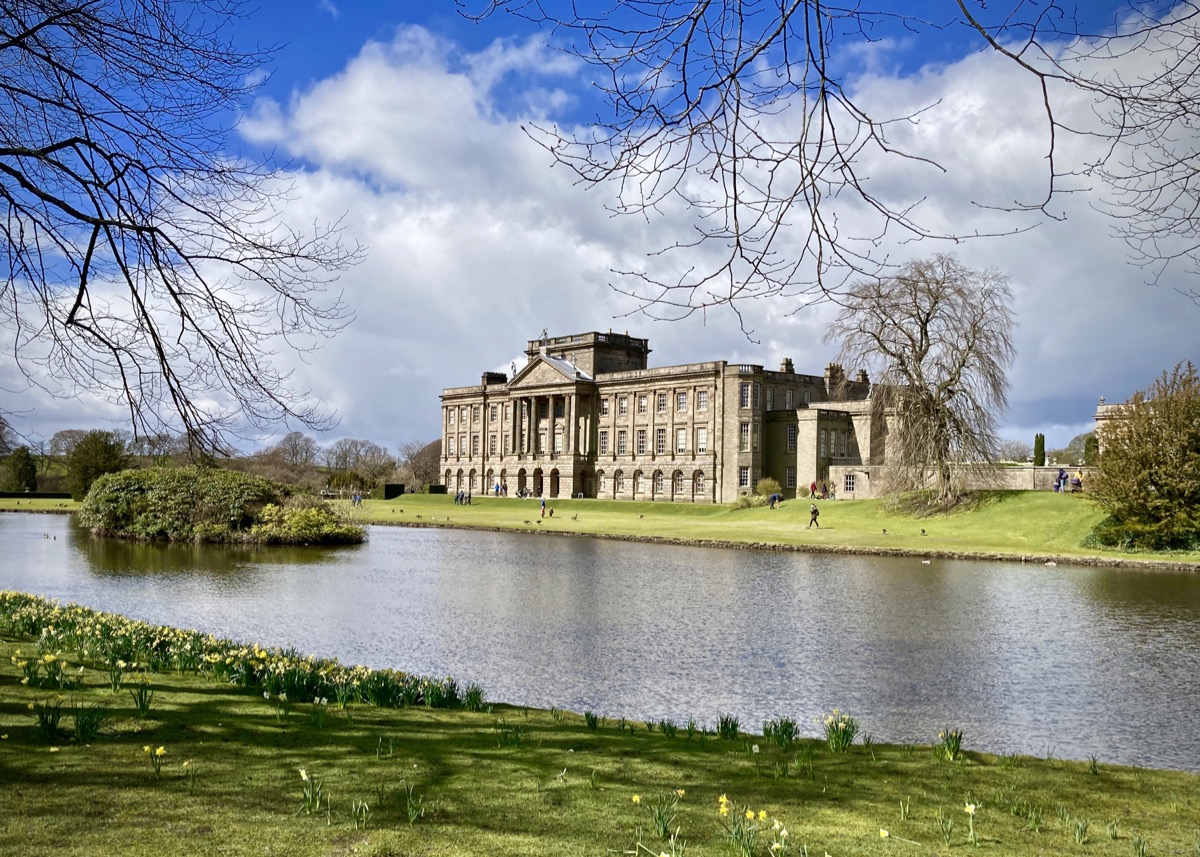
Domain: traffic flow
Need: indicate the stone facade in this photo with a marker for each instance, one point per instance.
(586, 417)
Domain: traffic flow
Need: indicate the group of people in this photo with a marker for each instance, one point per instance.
(462, 498)
(824, 491)
(501, 489)
(1062, 481)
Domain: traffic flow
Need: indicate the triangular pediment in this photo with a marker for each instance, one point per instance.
(542, 372)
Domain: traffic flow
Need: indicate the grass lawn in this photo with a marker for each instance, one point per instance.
(1038, 524)
(1011, 523)
(515, 781)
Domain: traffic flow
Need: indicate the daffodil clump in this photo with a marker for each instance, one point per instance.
(743, 829)
(840, 730)
(111, 640)
(156, 755)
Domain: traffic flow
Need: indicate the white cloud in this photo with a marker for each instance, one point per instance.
(477, 242)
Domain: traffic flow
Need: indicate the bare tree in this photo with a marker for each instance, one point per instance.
(937, 336)
(421, 460)
(297, 449)
(362, 459)
(1014, 450)
(63, 443)
(745, 115)
(143, 260)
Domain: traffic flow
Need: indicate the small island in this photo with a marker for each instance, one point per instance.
(209, 505)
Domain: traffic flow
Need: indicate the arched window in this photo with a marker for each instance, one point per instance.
(678, 480)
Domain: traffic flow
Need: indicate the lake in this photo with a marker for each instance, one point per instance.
(1069, 661)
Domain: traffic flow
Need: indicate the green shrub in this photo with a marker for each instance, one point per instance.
(749, 501)
(206, 504)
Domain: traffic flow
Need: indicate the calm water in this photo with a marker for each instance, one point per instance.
(1074, 661)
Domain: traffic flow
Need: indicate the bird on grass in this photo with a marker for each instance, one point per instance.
(529, 522)
(641, 516)
(922, 531)
(885, 531)
(575, 517)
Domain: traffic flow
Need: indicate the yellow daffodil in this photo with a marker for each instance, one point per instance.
(146, 748)
(160, 752)
(304, 775)
(680, 792)
(749, 815)
(724, 810)
(969, 809)
(883, 834)
(762, 815)
(637, 799)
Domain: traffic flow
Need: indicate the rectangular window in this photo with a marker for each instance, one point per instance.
(821, 444)
(681, 440)
(450, 440)
(603, 441)
(507, 446)
(508, 411)
(641, 441)
(474, 445)
(541, 441)
(702, 440)
(560, 408)
(492, 441)
(543, 410)
(604, 407)
(743, 477)
(452, 412)
(791, 438)
(744, 395)
(744, 437)
(660, 441)
(756, 427)
(757, 395)
(770, 398)
(849, 483)
(493, 413)
(702, 400)
(790, 477)
(462, 414)
(807, 397)
(623, 406)
(844, 442)
(474, 413)
(681, 402)
(642, 407)
(622, 442)
(661, 403)
(462, 444)
(558, 441)
(787, 400)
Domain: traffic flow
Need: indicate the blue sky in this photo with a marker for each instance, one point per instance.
(407, 118)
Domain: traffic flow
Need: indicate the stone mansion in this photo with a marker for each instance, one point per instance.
(586, 416)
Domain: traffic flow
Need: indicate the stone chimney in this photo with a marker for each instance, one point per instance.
(786, 366)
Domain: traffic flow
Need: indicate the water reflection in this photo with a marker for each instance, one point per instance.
(1077, 661)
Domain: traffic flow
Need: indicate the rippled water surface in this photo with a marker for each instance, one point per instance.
(1029, 659)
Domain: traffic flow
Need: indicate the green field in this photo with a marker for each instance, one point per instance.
(515, 781)
(1037, 525)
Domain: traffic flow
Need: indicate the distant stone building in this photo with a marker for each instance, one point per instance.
(586, 417)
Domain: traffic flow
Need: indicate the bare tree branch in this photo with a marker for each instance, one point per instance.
(139, 259)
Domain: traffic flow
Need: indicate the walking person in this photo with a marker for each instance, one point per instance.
(814, 513)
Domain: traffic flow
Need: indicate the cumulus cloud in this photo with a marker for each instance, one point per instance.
(477, 242)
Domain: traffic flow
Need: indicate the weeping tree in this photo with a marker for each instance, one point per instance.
(937, 336)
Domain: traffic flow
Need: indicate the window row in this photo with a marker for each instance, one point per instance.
(833, 443)
(641, 401)
(641, 437)
(749, 393)
(640, 481)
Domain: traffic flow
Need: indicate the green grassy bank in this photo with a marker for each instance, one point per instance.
(1036, 525)
(515, 781)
